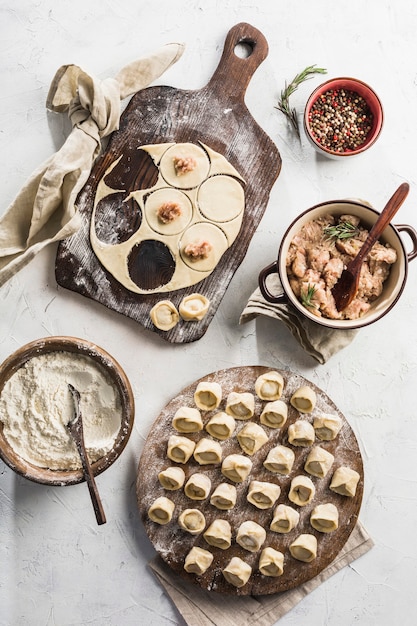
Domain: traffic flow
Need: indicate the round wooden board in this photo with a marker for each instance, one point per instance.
(173, 543)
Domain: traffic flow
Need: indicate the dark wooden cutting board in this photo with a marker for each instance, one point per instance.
(215, 115)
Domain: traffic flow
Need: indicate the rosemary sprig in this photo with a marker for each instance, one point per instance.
(343, 230)
(283, 102)
(307, 296)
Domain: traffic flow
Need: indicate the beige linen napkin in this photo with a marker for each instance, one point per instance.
(201, 608)
(44, 210)
(320, 342)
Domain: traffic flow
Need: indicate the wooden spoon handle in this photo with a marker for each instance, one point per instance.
(92, 487)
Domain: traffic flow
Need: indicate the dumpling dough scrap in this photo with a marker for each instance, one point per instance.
(271, 562)
(325, 518)
(164, 315)
(197, 487)
(208, 452)
(172, 478)
(285, 519)
(198, 561)
(262, 494)
(237, 572)
(236, 467)
(180, 448)
(318, 462)
(241, 406)
(192, 520)
(251, 438)
(251, 536)
(221, 426)
(219, 534)
(280, 460)
(194, 307)
(274, 414)
(269, 386)
(187, 419)
(304, 548)
(327, 427)
(301, 433)
(208, 395)
(345, 481)
(302, 490)
(304, 399)
(161, 510)
(224, 497)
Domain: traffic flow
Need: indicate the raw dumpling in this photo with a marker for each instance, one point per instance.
(304, 399)
(251, 438)
(318, 462)
(221, 426)
(263, 495)
(161, 510)
(304, 548)
(187, 420)
(241, 406)
(301, 433)
(237, 572)
(325, 518)
(285, 519)
(194, 307)
(271, 562)
(224, 497)
(192, 520)
(208, 395)
(302, 490)
(197, 487)
(327, 427)
(274, 414)
(198, 561)
(219, 534)
(208, 452)
(269, 386)
(172, 478)
(180, 449)
(164, 315)
(344, 481)
(280, 460)
(236, 467)
(251, 536)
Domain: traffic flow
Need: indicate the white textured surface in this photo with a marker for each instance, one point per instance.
(59, 567)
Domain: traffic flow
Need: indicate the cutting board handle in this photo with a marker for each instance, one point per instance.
(234, 72)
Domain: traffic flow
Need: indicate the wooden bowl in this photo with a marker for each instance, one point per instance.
(111, 367)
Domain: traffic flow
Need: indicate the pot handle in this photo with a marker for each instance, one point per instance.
(412, 233)
(263, 275)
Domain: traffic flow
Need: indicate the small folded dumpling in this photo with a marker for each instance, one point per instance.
(161, 510)
(224, 497)
(271, 562)
(318, 462)
(180, 448)
(241, 406)
(325, 518)
(345, 481)
(301, 433)
(274, 414)
(198, 561)
(171, 478)
(302, 490)
(208, 395)
(327, 427)
(164, 315)
(192, 520)
(251, 536)
(197, 487)
(187, 419)
(221, 426)
(262, 494)
(194, 307)
(219, 534)
(237, 572)
(236, 467)
(304, 399)
(280, 460)
(207, 452)
(251, 438)
(269, 386)
(304, 548)
(285, 519)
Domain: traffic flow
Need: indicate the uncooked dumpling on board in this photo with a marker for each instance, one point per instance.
(271, 562)
(192, 520)
(180, 448)
(301, 433)
(251, 438)
(269, 386)
(285, 519)
(187, 419)
(197, 486)
(304, 548)
(327, 427)
(318, 462)
(198, 561)
(236, 467)
(280, 460)
(224, 497)
(240, 405)
(302, 490)
(304, 399)
(164, 315)
(207, 452)
(274, 414)
(251, 536)
(221, 426)
(208, 395)
(161, 510)
(171, 478)
(325, 517)
(237, 572)
(263, 494)
(219, 534)
(345, 481)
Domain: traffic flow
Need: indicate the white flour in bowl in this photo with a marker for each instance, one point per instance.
(36, 406)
